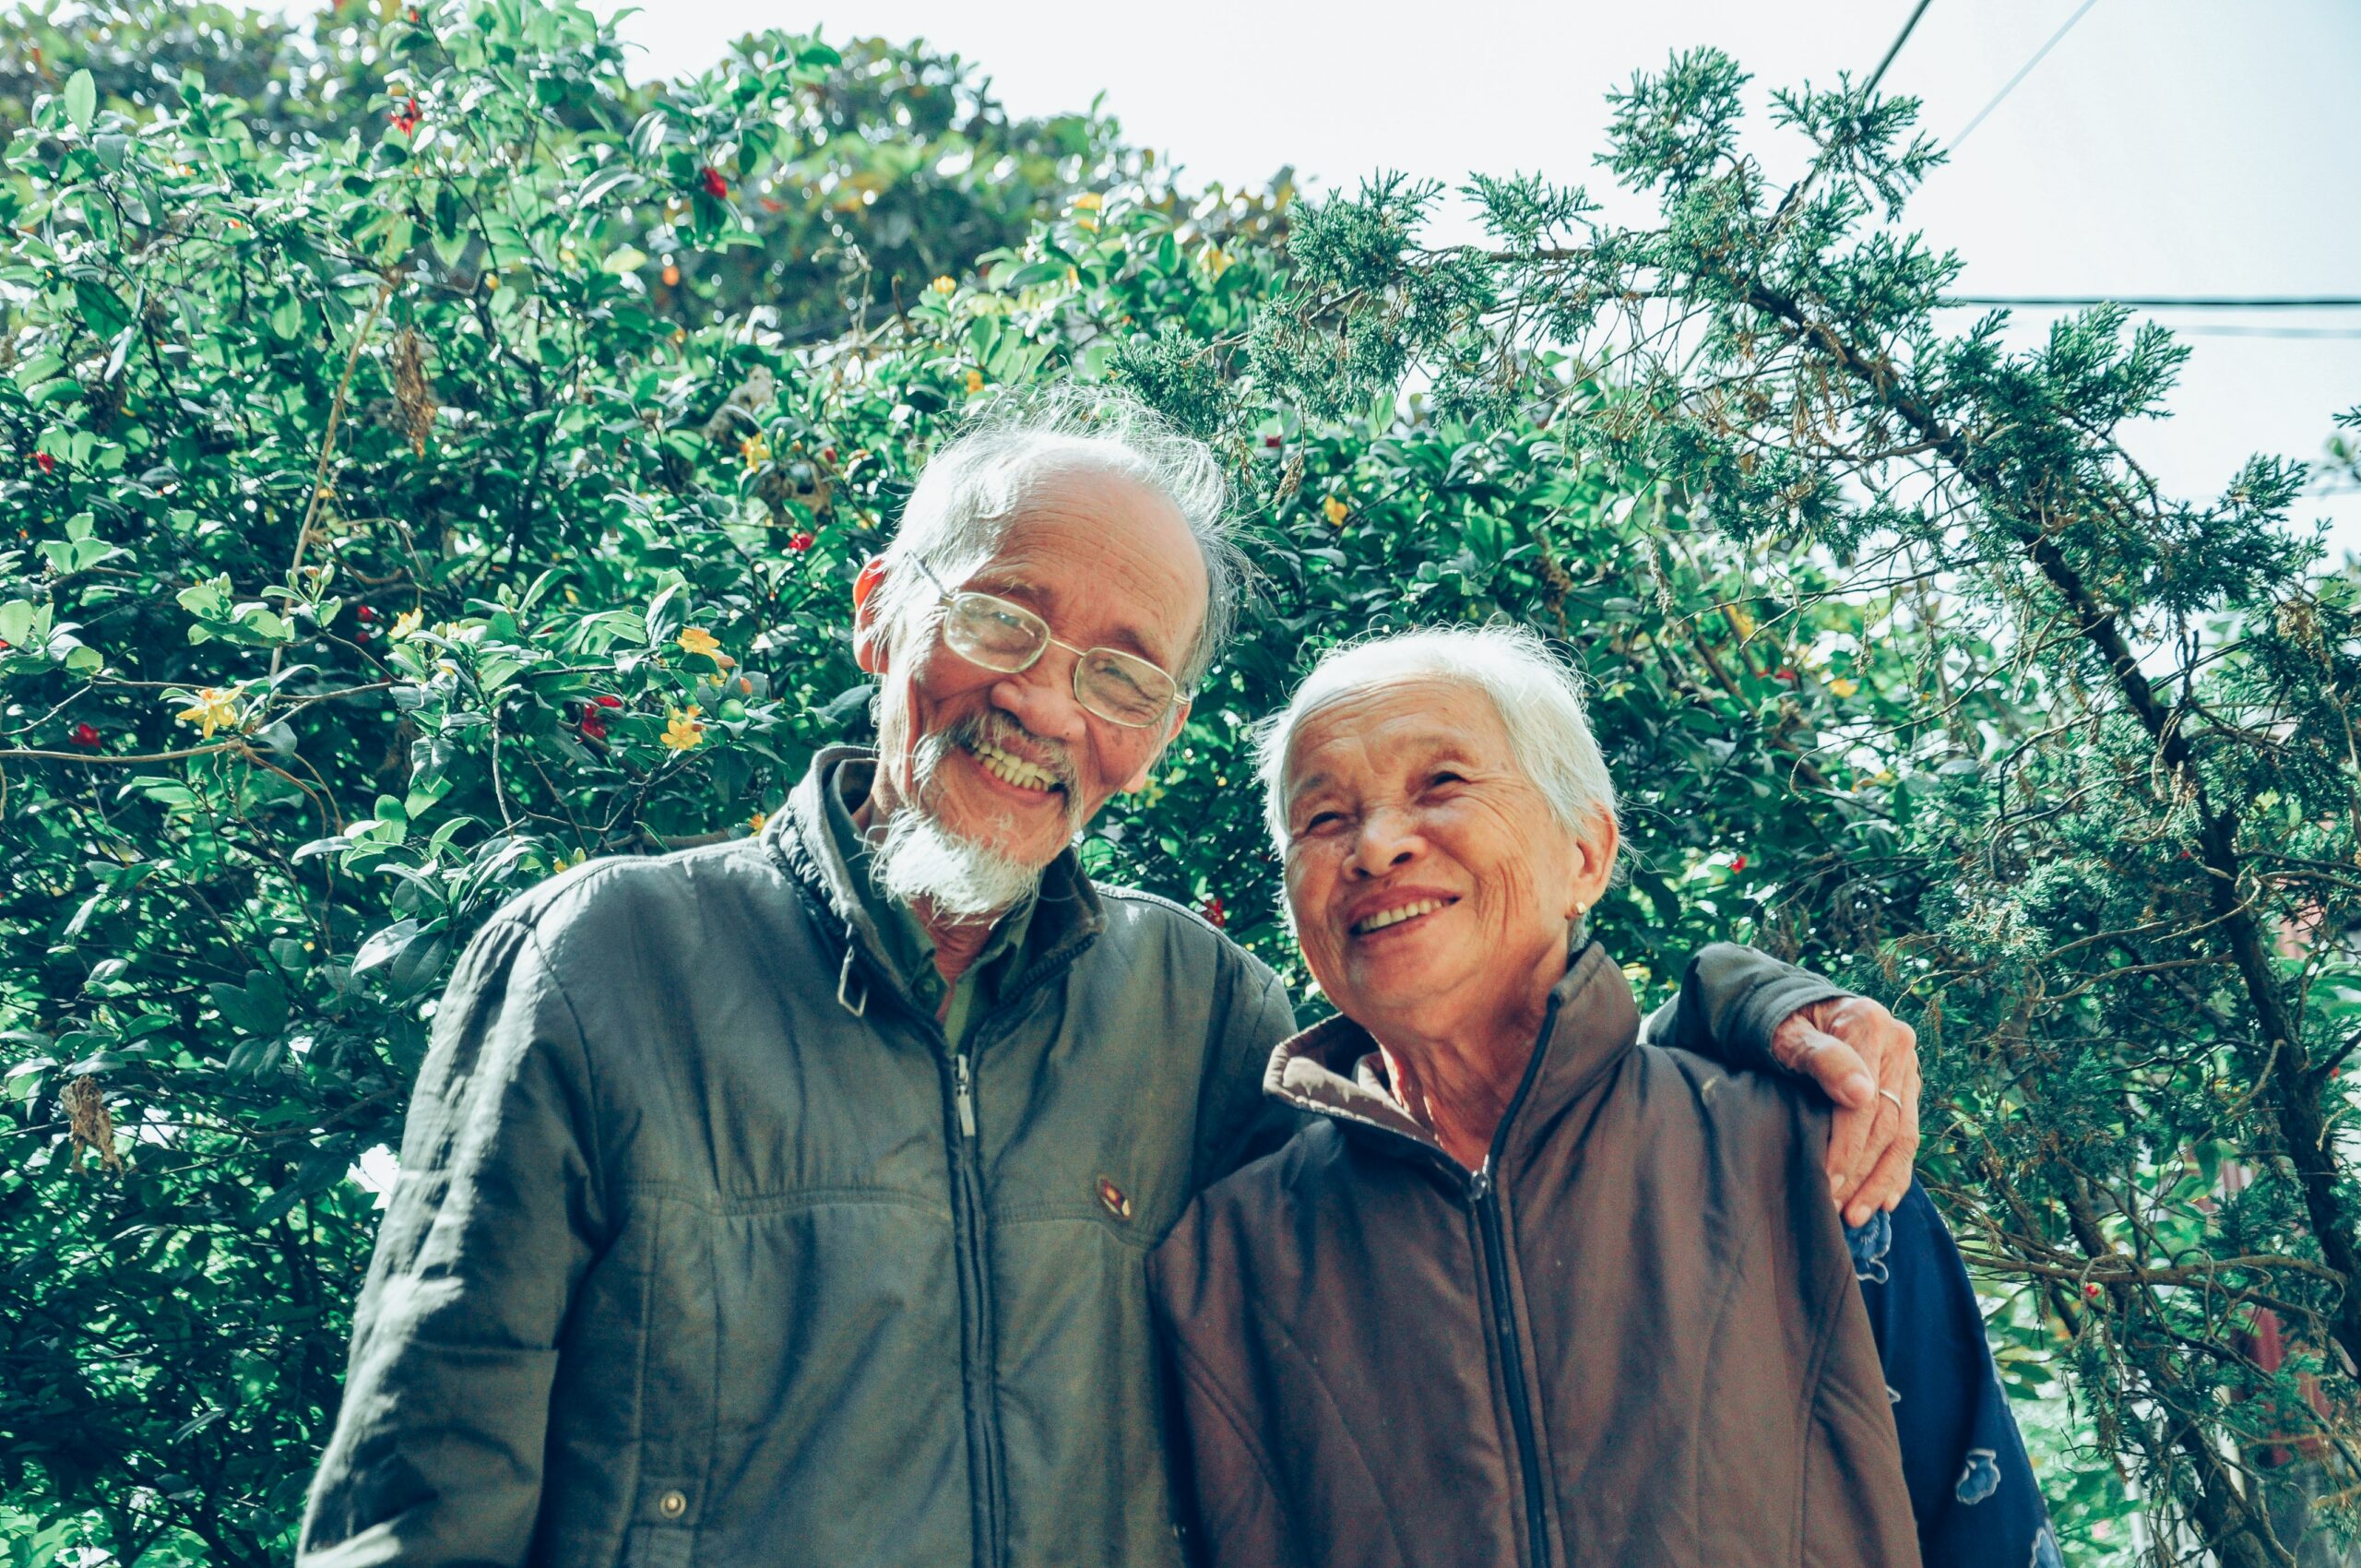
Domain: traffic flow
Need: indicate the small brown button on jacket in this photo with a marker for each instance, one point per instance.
(1635, 1338)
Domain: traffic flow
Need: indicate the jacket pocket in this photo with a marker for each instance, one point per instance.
(659, 1546)
(664, 1531)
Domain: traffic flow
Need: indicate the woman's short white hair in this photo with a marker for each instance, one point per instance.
(974, 488)
(1539, 698)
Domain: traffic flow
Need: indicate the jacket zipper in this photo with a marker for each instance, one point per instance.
(974, 1288)
(975, 1293)
(1486, 1205)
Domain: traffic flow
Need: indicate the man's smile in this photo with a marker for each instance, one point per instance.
(1011, 769)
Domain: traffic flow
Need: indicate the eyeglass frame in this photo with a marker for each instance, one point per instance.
(1051, 639)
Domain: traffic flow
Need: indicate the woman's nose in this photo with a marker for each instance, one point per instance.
(1389, 838)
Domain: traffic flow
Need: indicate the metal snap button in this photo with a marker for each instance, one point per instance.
(673, 1504)
(1112, 1198)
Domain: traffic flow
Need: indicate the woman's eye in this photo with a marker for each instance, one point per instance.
(1446, 776)
(1323, 819)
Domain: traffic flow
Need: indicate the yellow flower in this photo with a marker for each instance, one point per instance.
(945, 285)
(975, 381)
(755, 450)
(1088, 201)
(1843, 687)
(213, 707)
(1742, 621)
(696, 639)
(1336, 510)
(681, 731)
(1215, 259)
(406, 624)
(754, 823)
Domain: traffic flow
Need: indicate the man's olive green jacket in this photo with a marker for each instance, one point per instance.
(707, 1249)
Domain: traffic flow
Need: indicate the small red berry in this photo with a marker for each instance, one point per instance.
(405, 116)
(363, 614)
(592, 726)
(608, 699)
(1738, 863)
(715, 185)
(86, 736)
(798, 542)
(1785, 674)
(45, 463)
(1270, 441)
(827, 454)
(1216, 916)
(2091, 1291)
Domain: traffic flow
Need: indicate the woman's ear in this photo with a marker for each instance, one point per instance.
(1594, 865)
(871, 646)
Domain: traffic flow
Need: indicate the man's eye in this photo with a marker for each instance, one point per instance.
(1323, 819)
(1446, 776)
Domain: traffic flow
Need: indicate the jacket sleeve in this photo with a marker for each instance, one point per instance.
(1237, 1122)
(1732, 1000)
(437, 1454)
(1972, 1486)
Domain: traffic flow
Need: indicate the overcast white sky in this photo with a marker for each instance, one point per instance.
(2164, 147)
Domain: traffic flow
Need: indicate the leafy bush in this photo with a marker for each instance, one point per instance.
(438, 459)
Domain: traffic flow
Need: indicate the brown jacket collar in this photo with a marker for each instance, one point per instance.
(1333, 1069)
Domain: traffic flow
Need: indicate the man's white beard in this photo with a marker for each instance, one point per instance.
(921, 861)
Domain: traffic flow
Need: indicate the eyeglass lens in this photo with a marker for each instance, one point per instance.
(1001, 636)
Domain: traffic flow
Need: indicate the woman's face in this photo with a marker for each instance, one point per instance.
(1433, 889)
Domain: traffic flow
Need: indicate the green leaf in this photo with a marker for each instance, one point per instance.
(81, 100)
(628, 258)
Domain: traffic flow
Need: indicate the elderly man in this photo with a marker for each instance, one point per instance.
(786, 1201)
(1533, 1285)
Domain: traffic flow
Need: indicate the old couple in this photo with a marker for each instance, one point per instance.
(790, 1200)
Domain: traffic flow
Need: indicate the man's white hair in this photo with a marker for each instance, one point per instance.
(972, 491)
(1539, 698)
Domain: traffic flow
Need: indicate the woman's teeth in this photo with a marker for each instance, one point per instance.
(1011, 769)
(1395, 917)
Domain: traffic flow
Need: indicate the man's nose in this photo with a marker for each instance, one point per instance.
(1389, 838)
(1041, 698)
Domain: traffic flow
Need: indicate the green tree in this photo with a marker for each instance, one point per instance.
(388, 529)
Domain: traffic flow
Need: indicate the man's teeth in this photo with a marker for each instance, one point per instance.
(1395, 917)
(1011, 769)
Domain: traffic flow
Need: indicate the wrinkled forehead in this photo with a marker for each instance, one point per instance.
(1387, 721)
(1093, 544)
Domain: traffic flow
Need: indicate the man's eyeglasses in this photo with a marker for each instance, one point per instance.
(1119, 687)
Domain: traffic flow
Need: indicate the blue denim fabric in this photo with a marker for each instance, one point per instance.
(1971, 1483)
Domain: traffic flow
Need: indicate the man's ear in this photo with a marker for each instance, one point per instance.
(1138, 781)
(871, 646)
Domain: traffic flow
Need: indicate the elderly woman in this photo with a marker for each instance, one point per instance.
(1526, 1287)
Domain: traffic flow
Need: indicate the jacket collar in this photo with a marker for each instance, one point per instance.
(1333, 1069)
(1066, 915)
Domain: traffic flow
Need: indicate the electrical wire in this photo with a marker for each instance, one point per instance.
(2165, 302)
(2023, 72)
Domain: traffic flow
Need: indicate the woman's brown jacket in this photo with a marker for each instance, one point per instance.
(1633, 1339)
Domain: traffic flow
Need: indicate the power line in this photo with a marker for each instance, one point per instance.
(2164, 301)
(2204, 329)
(2023, 72)
(1903, 37)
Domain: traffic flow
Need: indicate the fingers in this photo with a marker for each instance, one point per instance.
(1835, 1066)
(1893, 1144)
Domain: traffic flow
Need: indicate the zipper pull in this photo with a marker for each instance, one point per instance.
(1479, 1186)
(963, 1093)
